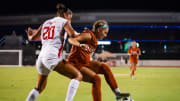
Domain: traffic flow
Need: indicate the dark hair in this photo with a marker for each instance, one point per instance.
(61, 9)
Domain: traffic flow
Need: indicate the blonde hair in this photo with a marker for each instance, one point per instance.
(99, 23)
(133, 43)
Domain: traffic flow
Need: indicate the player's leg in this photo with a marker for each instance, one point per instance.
(135, 63)
(40, 86)
(70, 71)
(92, 77)
(133, 70)
(130, 67)
(101, 68)
(41, 81)
(131, 61)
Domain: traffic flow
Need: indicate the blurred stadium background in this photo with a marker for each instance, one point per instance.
(155, 25)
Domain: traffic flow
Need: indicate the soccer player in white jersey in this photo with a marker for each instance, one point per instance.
(106, 71)
(53, 36)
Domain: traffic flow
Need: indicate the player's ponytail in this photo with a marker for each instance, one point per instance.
(99, 24)
(61, 9)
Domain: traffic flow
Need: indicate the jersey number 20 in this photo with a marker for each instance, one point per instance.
(49, 33)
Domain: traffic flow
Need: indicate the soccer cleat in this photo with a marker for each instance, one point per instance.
(127, 99)
(119, 95)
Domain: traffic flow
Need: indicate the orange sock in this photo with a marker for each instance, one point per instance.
(110, 79)
(96, 89)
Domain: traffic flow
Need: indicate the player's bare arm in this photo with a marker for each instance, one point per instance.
(33, 34)
(78, 41)
(68, 28)
(139, 53)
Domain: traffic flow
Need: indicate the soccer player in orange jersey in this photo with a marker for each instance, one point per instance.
(89, 69)
(134, 53)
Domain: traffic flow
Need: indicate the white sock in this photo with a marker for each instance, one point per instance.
(116, 90)
(32, 95)
(74, 84)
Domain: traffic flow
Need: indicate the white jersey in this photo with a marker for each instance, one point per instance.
(53, 37)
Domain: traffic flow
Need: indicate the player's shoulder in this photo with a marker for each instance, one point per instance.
(60, 19)
(86, 32)
(86, 36)
(48, 20)
(54, 20)
(137, 48)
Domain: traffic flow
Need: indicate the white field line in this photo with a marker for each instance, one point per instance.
(118, 74)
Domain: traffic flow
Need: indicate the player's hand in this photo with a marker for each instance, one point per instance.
(29, 32)
(76, 33)
(134, 53)
(85, 47)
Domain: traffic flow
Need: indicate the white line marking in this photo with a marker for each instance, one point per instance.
(118, 74)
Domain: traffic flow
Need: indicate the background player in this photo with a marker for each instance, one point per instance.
(134, 53)
(53, 36)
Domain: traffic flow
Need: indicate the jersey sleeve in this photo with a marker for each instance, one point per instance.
(64, 22)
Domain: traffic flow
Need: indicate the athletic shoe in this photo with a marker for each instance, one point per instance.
(122, 95)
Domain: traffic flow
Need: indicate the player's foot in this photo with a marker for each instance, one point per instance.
(133, 77)
(119, 95)
(127, 99)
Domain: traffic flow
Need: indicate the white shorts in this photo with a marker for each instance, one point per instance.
(46, 65)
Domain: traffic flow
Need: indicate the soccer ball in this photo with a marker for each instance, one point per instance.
(127, 99)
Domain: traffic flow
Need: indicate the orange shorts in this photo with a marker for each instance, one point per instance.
(78, 65)
(133, 61)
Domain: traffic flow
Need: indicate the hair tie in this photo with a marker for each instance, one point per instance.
(104, 26)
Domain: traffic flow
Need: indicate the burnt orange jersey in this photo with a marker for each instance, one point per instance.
(79, 57)
(133, 57)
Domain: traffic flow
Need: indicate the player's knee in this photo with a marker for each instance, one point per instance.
(79, 76)
(97, 79)
(39, 89)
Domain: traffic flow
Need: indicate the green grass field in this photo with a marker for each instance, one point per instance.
(151, 84)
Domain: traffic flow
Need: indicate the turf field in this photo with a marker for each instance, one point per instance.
(151, 84)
